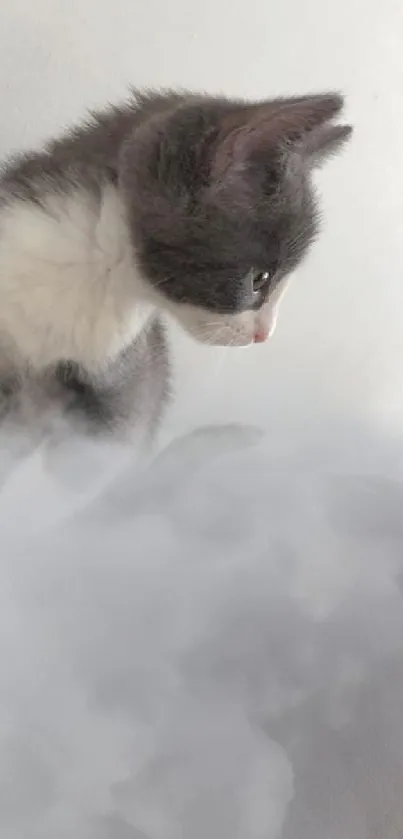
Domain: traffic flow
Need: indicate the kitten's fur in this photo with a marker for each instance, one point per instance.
(165, 203)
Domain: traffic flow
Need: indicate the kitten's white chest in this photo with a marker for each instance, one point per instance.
(69, 287)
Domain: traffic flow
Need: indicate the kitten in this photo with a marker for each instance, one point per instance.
(181, 203)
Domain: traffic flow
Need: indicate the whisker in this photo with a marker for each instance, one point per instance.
(223, 355)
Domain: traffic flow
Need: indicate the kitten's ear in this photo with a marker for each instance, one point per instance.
(267, 127)
(323, 142)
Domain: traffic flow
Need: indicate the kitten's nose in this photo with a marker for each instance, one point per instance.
(259, 337)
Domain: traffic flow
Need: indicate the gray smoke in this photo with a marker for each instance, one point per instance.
(205, 646)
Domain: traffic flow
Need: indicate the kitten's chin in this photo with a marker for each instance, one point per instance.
(235, 343)
(217, 330)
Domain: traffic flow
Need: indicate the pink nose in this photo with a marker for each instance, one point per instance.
(259, 337)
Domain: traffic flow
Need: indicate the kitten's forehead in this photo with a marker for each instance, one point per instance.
(272, 222)
(208, 262)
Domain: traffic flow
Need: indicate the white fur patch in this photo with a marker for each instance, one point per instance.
(69, 287)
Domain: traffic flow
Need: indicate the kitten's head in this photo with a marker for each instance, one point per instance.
(222, 206)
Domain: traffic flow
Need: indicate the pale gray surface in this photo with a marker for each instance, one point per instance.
(215, 649)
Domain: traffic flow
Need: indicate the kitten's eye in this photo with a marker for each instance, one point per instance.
(260, 281)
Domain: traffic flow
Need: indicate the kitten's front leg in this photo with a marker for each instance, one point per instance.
(89, 443)
(129, 392)
(111, 414)
(17, 440)
(7, 393)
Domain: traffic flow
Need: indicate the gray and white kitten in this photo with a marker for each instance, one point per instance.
(181, 203)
